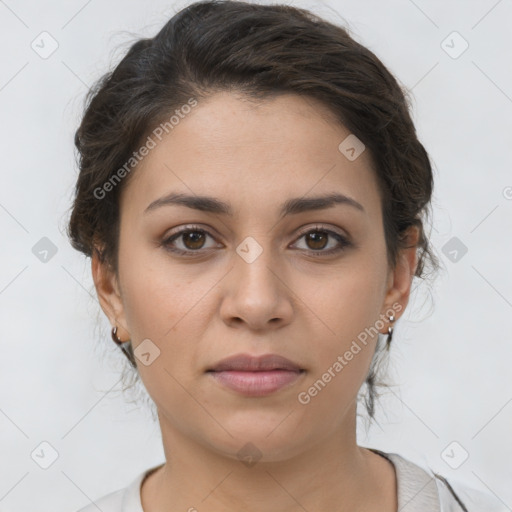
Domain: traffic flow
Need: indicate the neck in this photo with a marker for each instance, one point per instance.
(334, 474)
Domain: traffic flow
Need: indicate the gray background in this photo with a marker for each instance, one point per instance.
(59, 369)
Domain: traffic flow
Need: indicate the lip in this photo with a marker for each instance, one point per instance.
(256, 375)
(248, 363)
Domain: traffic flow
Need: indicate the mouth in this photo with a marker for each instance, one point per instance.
(248, 363)
(256, 376)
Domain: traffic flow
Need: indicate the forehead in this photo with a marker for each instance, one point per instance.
(250, 154)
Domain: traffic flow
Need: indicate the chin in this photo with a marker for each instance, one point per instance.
(263, 440)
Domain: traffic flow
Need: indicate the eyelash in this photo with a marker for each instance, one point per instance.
(343, 241)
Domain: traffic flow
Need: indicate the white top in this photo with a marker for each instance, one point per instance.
(419, 490)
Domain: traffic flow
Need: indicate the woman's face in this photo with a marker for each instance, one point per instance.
(278, 269)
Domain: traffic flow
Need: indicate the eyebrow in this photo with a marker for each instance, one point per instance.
(289, 207)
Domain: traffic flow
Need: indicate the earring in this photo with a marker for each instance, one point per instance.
(125, 346)
(391, 319)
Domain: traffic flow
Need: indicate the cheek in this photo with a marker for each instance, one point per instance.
(152, 294)
(348, 308)
(156, 304)
(350, 299)
(167, 304)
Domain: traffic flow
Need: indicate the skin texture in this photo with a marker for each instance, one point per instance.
(201, 309)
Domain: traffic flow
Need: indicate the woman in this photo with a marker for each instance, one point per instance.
(252, 195)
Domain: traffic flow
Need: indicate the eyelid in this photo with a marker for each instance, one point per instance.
(343, 240)
(320, 227)
(167, 239)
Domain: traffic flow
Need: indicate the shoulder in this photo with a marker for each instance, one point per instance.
(421, 489)
(109, 503)
(127, 499)
(453, 494)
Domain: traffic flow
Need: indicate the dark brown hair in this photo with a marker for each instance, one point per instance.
(260, 51)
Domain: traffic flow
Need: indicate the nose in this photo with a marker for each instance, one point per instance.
(256, 294)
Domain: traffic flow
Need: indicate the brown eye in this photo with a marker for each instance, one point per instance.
(188, 241)
(317, 239)
(323, 242)
(193, 239)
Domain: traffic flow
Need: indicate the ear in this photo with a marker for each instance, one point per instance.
(109, 296)
(400, 277)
